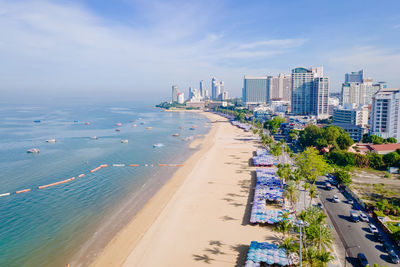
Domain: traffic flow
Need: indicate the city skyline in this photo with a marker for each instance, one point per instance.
(86, 47)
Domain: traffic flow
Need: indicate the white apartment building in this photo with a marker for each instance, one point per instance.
(351, 114)
(385, 119)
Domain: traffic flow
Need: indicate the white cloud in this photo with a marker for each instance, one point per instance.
(47, 46)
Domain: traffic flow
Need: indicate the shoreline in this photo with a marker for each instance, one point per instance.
(120, 246)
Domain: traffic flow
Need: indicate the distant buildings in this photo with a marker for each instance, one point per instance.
(385, 118)
(217, 89)
(181, 98)
(202, 89)
(353, 119)
(255, 90)
(310, 91)
(359, 90)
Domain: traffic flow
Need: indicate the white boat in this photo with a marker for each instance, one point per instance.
(118, 165)
(94, 137)
(124, 141)
(33, 150)
(51, 141)
(158, 145)
(176, 135)
(118, 124)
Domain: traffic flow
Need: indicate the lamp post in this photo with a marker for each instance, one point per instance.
(301, 224)
(345, 253)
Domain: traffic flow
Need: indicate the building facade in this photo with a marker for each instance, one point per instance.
(351, 114)
(202, 89)
(385, 119)
(175, 92)
(255, 90)
(310, 92)
(354, 77)
(280, 87)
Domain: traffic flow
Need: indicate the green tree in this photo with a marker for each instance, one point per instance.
(311, 164)
(290, 245)
(343, 177)
(365, 138)
(291, 193)
(391, 140)
(344, 141)
(324, 257)
(376, 161)
(392, 159)
(312, 192)
(273, 125)
(376, 139)
(284, 227)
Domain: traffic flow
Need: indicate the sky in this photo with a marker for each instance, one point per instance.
(137, 49)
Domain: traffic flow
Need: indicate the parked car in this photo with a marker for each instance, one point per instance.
(336, 199)
(388, 247)
(334, 182)
(328, 186)
(362, 259)
(373, 228)
(364, 217)
(350, 201)
(379, 237)
(354, 216)
(393, 257)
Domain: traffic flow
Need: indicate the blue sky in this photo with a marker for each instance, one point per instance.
(138, 49)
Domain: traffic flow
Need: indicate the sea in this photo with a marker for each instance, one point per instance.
(70, 223)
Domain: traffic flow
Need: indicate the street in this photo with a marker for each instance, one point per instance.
(356, 237)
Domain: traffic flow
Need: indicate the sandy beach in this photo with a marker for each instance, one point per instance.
(201, 215)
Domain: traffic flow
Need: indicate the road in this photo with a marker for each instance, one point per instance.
(352, 234)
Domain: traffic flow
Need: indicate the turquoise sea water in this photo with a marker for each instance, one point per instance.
(49, 227)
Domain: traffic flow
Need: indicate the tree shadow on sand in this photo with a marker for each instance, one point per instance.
(242, 253)
(227, 218)
(203, 257)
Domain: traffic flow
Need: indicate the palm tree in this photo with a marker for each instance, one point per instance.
(310, 257)
(291, 193)
(324, 257)
(312, 192)
(283, 227)
(290, 245)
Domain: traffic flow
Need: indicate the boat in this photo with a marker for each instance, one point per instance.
(148, 128)
(94, 137)
(87, 123)
(51, 141)
(117, 130)
(33, 150)
(118, 165)
(142, 123)
(75, 121)
(175, 134)
(181, 127)
(158, 145)
(134, 125)
(118, 124)
(124, 141)
(192, 128)
(37, 121)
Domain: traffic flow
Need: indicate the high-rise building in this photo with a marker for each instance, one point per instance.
(175, 93)
(385, 117)
(214, 89)
(255, 90)
(190, 93)
(360, 93)
(224, 95)
(280, 87)
(310, 92)
(202, 89)
(181, 98)
(354, 77)
(351, 114)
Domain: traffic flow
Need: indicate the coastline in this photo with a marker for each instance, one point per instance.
(201, 215)
(120, 246)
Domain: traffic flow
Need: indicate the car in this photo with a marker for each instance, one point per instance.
(336, 199)
(364, 217)
(379, 237)
(350, 201)
(393, 257)
(362, 259)
(328, 186)
(354, 216)
(334, 182)
(387, 246)
(373, 228)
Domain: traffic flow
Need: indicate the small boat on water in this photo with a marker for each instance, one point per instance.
(148, 128)
(94, 137)
(142, 123)
(118, 124)
(118, 165)
(33, 150)
(117, 130)
(87, 123)
(158, 145)
(192, 128)
(175, 134)
(188, 138)
(124, 141)
(37, 121)
(52, 141)
(134, 125)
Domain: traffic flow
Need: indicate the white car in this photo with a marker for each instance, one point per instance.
(373, 228)
(364, 217)
(350, 201)
(336, 199)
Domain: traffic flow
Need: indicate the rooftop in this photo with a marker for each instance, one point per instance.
(385, 147)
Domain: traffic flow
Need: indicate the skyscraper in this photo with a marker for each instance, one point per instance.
(255, 90)
(310, 91)
(354, 77)
(385, 113)
(175, 93)
(202, 89)
(279, 87)
(214, 93)
(359, 92)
